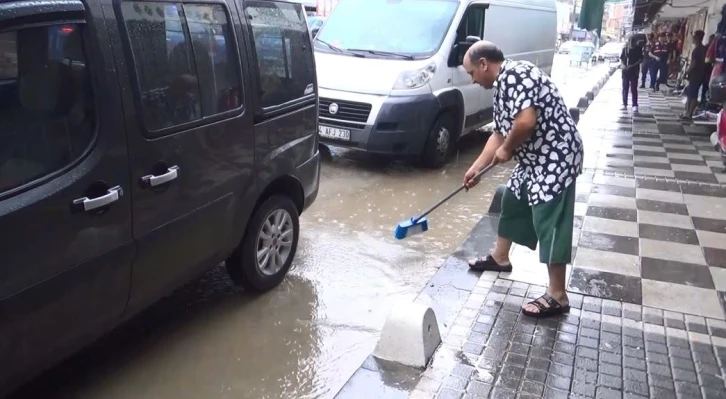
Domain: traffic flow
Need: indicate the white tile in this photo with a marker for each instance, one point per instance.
(681, 298)
(621, 151)
(691, 168)
(607, 261)
(612, 201)
(527, 267)
(610, 226)
(709, 153)
(647, 140)
(671, 251)
(665, 219)
(645, 158)
(719, 278)
(690, 157)
(580, 208)
(654, 172)
(715, 164)
(721, 177)
(650, 148)
(699, 210)
(659, 195)
(604, 162)
(614, 181)
(711, 239)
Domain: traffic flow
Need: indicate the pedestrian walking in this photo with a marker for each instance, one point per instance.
(707, 70)
(630, 60)
(695, 74)
(533, 126)
(659, 62)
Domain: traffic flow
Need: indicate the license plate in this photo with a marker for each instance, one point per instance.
(334, 133)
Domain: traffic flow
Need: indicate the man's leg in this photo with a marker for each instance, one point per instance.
(626, 83)
(634, 90)
(653, 74)
(554, 224)
(515, 225)
(644, 71)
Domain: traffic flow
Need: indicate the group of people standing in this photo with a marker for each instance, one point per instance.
(655, 58)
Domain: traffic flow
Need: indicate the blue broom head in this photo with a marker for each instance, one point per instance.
(408, 228)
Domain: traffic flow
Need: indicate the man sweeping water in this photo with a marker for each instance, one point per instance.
(533, 126)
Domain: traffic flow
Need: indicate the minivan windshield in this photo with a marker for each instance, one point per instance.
(387, 28)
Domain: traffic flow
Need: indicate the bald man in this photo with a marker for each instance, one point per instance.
(533, 126)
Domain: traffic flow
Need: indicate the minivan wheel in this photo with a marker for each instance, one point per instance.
(267, 250)
(439, 142)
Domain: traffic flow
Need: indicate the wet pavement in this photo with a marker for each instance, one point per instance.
(646, 285)
(306, 337)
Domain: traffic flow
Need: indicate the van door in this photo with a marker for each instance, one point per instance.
(65, 211)
(191, 145)
(286, 85)
(472, 24)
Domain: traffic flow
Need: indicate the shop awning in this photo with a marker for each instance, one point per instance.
(644, 11)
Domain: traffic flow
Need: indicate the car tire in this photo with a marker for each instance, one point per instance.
(276, 218)
(439, 142)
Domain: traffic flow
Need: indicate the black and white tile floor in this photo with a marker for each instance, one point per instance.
(650, 212)
(647, 285)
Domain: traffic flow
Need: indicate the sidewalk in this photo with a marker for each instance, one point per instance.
(647, 285)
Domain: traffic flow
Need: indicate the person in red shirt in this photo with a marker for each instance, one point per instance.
(659, 62)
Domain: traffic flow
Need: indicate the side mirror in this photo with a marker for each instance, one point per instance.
(456, 55)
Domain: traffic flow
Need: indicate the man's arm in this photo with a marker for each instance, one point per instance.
(486, 157)
(524, 124)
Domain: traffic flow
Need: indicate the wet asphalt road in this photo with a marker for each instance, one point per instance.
(306, 337)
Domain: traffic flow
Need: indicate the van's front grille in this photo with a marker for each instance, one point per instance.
(347, 110)
(343, 124)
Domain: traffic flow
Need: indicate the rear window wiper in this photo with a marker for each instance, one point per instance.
(377, 52)
(339, 50)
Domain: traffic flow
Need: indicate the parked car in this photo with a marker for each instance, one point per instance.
(718, 138)
(400, 89)
(609, 52)
(136, 154)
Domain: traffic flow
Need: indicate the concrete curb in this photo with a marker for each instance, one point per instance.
(588, 98)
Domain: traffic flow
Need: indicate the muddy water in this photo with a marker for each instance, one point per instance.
(305, 338)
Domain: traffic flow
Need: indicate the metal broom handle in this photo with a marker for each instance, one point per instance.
(453, 193)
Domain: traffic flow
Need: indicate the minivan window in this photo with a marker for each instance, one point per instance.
(410, 27)
(185, 61)
(46, 102)
(283, 50)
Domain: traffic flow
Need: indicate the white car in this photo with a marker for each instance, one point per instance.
(609, 51)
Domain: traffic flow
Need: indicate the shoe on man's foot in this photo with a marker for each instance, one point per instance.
(488, 264)
(635, 109)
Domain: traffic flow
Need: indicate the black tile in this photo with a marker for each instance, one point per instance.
(668, 233)
(652, 165)
(661, 185)
(660, 206)
(670, 129)
(634, 363)
(614, 190)
(698, 189)
(643, 153)
(688, 162)
(606, 285)
(682, 151)
(626, 157)
(705, 224)
(676, 272)
(628, 215)
(715, 257)
(611, 358)
(609, 242)
(693, 176)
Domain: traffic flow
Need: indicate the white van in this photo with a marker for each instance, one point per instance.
(390, 72)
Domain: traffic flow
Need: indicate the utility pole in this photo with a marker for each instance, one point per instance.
(573, 17)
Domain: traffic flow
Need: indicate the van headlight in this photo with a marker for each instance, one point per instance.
(416, 78)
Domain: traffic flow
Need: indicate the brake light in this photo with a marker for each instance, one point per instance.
(67, 30)
(721, 128)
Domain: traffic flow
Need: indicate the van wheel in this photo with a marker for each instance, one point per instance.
(439, 142)
(265, 255)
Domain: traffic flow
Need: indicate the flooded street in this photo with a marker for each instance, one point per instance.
(306, 337)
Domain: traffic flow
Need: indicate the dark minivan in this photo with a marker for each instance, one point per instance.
(141, 143)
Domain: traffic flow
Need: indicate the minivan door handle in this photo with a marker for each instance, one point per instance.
(90, 204)
(154, 181)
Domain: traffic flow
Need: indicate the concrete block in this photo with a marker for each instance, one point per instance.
(583, 103)
(496, 205)
(410, 335)
(575, 114)
(590, 96)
